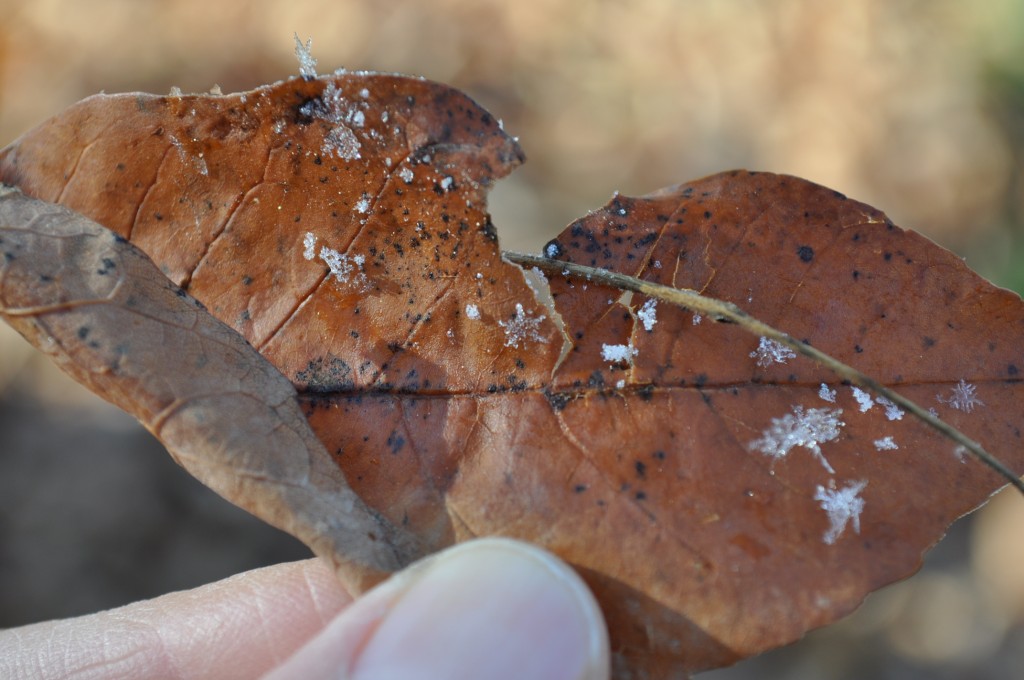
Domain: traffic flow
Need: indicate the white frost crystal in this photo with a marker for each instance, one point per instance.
(406, 175)
(892, 411)
(864, 400)
(307, 64)
(648, 314)
(363, 204)
(963, 397)
(886, 444)
(472, 312)
(770, 352)
(618, 354)
(826, 394)
(522, 327)
(808, 429)
(342, 142)
(309, 246)
(843, 507)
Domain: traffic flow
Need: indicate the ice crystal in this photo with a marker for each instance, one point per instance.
(342, 142)
(843, 507)
(618, 354)
(892, 411)
(309, 246)
(406, 175)
(522, 326)
(770, 352)
(446, 183)
(886, 444)
(648, 314)
(864, 400)
(963, 397)
(827, 394)
(363, 204)
(307, 64)
(472, 312)
(807, 428)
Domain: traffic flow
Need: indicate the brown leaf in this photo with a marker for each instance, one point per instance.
(717, 505)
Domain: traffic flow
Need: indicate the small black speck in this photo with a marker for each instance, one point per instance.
(658, 455)
(246, 280)
(579, 488)
(1012, 370)
(856, 274)
(707, 214)
(887, 256)
(83, 332)
(640, 495)
(641, 468)
(858, 349)
(928, 342)
(806, 253)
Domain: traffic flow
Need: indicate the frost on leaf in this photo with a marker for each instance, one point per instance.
(472, 312)
(648, 314)
(522, 327)
(886, 444)
(307, 64)
(618, 354)
(963, 397)
(843, 507)
(770, 352)
(309, 246)
(826, 394)
(343, 143)
(892, 411)
(864, 400)
(808, 429)
(343, 268)
(406, 175)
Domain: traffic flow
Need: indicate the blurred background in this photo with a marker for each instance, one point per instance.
(913, 106)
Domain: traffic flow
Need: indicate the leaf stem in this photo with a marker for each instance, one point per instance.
(719, 309)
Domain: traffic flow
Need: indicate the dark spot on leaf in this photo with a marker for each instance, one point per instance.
(806, 253)
(395, 441)
(641, 468)
(579, 488)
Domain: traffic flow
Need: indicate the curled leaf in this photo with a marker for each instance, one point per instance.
(720, 495)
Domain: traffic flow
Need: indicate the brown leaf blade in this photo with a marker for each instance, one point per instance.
(716, 503)
(100, 308)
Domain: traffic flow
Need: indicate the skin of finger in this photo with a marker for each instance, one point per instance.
(236, 628)
(490, 608)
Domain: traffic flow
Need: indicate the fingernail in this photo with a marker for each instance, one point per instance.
(492, 608)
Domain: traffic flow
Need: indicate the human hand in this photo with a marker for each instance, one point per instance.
(491, 608)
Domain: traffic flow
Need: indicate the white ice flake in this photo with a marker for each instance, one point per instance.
(892, 411)
(864, 400)
(364, 93)
(522, 327)
(770, 352)
(358, 118)
(363, 204)
(843, 507)
(963, 397)
(406, 175)
(825, 394)
(886, 444)
(309, 246)
(648, 314)
(697, 318)
(342, 142)
(338, 263)
(618, 354)
(551, 250)
(447, 182)
(472, 312)
(307, 64)
(808, 429)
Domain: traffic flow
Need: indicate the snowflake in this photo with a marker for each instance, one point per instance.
(843, 507)
(864, 400)
(472, 312)
(800, 428)
(892, 411)
(343, 143)
(826, 394)
(618, 354)
(343, 267)
(406, 175)
(521, 327)
(307, 64)
(886, 444)
(648, 314)
(309, 246)
(963, 397)
(363, 204)
(770, 352)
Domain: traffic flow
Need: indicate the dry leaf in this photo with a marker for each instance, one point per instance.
(719, 495)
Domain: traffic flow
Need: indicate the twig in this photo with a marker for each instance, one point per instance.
(695, 302)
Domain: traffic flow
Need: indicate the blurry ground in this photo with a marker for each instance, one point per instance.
(915, 107)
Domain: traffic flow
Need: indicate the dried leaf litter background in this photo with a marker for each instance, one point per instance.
(381, 267)
(924, 149)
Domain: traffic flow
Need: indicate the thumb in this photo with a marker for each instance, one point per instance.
(491, 608)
